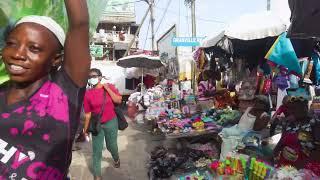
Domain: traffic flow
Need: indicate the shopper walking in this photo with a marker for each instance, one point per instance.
(40, 105)
(101, 99)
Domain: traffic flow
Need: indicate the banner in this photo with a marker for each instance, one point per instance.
(96, 51)
(168, 54)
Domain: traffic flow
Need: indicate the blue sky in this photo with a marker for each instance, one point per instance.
(212, 16)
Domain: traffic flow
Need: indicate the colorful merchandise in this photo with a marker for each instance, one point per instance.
(297, 142)
(177, 122)
(197, 176)
(240, 168)
(289, 172)
(281, 81)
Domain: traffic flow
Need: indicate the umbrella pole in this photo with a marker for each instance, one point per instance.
(142, 84)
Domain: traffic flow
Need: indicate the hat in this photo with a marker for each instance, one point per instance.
(47, 22)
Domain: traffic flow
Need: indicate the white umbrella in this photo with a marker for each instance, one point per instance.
(141, 61)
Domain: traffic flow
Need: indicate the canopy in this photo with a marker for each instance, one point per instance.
(250, 27)
(212, 40)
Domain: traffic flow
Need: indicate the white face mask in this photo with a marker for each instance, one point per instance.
(93, 81)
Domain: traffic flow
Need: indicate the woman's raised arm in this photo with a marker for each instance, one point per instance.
(76, 52)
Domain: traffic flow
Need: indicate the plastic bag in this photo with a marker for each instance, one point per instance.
(3, 74)
(229, 145)
(294, 81)
(247, 121)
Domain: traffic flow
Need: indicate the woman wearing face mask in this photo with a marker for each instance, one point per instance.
(100, 94)
(40, 105)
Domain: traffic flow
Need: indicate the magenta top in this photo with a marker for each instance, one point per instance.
(93, 102)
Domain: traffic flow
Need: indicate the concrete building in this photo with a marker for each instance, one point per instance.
(115, 30)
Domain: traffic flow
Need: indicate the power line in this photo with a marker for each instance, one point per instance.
(164, 14)
(198, 18)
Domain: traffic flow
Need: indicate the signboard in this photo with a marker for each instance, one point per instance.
(186, 41)
(120, 10)
(168, 54)
(96, 51)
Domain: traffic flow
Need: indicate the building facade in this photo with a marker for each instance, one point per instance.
(115, 31)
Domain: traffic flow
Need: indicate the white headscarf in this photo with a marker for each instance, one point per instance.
(47, 22)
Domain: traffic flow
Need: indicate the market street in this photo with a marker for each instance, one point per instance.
(135, 143)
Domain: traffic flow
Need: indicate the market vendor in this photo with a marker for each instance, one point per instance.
(255, 118)
(299, 144)
(279, 116)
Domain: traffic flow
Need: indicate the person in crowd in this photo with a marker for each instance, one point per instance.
(40, 105)
(279, 116)
(254, 118)
(283, 109)
(261, 110)
(93, 103)
(299, 143)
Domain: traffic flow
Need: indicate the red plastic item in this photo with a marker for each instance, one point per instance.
(132, 110)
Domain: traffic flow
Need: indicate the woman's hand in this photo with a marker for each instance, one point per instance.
(106, 87)
(114, 96)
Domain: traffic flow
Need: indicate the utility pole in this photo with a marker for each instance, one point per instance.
(136, 34)
(194, 34)
(268, 5)
(151, 4)
(193, 18)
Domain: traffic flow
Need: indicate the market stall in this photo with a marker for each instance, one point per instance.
(252, 84)
(274, 80)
